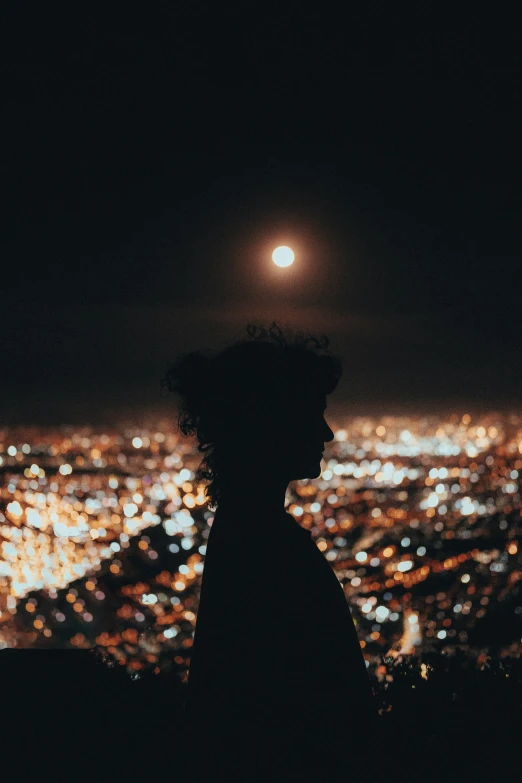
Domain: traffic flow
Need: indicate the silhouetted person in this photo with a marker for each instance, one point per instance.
(277, 687)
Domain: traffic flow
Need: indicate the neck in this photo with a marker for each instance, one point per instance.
(258, 493)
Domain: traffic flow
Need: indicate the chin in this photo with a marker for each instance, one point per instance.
(311, 471)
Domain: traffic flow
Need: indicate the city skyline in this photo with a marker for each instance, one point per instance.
(104, 535)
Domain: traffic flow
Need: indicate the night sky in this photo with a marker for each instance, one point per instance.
(155, 154)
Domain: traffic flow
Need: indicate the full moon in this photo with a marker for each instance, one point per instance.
(283, 256)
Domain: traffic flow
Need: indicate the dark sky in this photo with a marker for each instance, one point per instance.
(156, 153)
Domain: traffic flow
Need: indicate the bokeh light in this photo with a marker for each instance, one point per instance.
(103, 535)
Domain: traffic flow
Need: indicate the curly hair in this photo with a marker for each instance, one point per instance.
(248, 387)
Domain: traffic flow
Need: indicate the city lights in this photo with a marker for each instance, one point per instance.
(419, 518)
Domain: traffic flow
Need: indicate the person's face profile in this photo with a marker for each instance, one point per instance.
(303, 440)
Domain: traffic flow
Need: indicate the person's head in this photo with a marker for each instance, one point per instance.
(257, 406)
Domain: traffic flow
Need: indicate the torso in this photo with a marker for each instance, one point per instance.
(268, 581)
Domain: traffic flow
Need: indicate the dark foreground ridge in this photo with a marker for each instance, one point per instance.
(69, 715)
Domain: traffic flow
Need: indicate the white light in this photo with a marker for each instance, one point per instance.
(137, 443)
(405, 565)
(283, 256)
(361, 556)
(441, 635)
(15, 508)
(33, 518)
